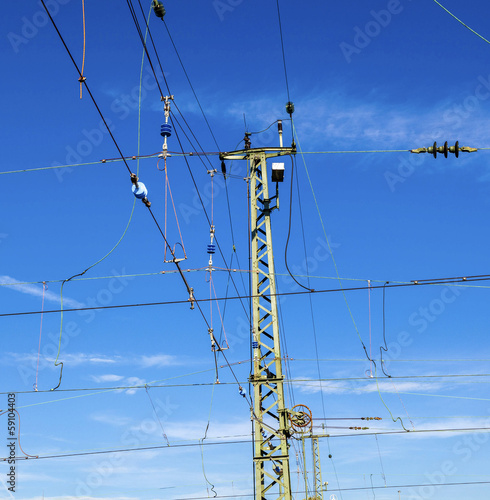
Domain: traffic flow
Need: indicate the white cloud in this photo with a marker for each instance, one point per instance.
(111, 419)
(337, 120)
(123, 381)
(369, 386)
(194, 430)
(446, 424)
(134, 381)
(37, 291)
(75, 359)
(157, 360)
(106, 378)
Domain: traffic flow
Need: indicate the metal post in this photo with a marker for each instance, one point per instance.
(317, 468)
(304, 466)
(271, 428)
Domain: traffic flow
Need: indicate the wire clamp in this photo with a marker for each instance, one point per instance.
(213, 341)
(134, 179)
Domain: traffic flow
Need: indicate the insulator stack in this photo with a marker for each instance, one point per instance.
(211, 249)
(445, 150)
(158, 8)
(140, 192)
(166, 130)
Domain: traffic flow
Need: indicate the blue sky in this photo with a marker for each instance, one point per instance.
(380, 75)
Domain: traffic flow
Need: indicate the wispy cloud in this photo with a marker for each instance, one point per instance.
(132, 381)
(111, 419)
(37, 291)
(157, 360)
(75, 359)
(338, 119)
(106, 378)
(196, 429)
(448, 424)
(369, 386)
(123, 381)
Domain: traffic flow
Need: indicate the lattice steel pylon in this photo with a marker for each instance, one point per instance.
(317, 468)
(271, 429)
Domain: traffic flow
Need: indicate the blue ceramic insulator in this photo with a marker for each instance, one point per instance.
(255, 345)
(140, 192)
(166, 130)
(211, 249)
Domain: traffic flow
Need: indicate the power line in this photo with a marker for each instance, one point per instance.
(282, 47)
(244, 495)
(241, 297)
(459, 21)
(236, 442)
(290, 381)
(86, 86)
(193, 153)
(138, 29)
(190, 84)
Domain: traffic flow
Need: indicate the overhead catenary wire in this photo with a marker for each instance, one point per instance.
(310, 299)
(61, 310)
(191, 153)
(82, 77)
(86, 86)
(40, 335)
(459, 21)
(236, 442)
(435, 282)
(312, 314)
(290, 382)
(242, 297)
(83, 80)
